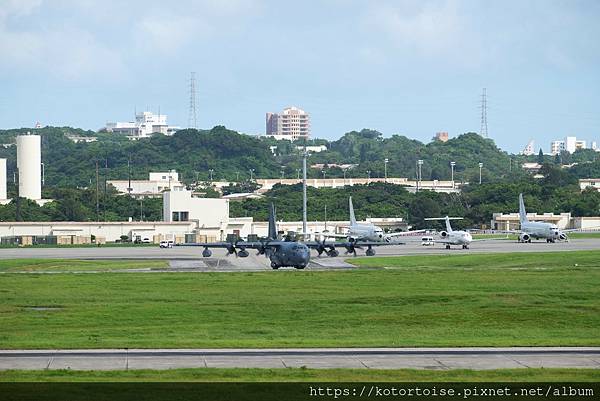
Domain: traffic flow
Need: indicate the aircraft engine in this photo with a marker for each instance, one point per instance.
(388, 239)
(443, 234)
(206, 253)
(242, 253)
(230, 249)
(524, 237)
(562, 236)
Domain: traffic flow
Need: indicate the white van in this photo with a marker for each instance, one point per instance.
(166, 244)
(427, 241)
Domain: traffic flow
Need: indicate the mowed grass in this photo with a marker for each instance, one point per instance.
(63, 265)
(470, 300)
(303, 375)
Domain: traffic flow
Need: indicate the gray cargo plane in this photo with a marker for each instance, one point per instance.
(281, 253)
(366, 231)
(538, 229)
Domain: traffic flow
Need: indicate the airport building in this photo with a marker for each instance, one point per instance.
(153, 187)
(145, 125)
(511, 221)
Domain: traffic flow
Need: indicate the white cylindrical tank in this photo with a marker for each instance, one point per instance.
(3, 179)
(29, 163)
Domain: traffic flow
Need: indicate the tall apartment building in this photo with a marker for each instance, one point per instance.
(529, 149)
(570, 144)
(441, 136)
(146, 123)
(291, 124)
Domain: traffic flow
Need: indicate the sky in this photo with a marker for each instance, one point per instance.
(401, 67)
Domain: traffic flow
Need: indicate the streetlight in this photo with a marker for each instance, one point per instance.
(480, 166)
(251, 172)
(385, 162)
(323, 171)
(210, 171)
(282, 174)
(452, 164)
(298, 172)
(420, 163)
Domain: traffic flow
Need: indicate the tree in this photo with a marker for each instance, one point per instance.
(540, 157)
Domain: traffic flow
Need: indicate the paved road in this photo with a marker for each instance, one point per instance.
(362, 358)
(189, 258)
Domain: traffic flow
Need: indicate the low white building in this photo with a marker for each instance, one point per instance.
(146, 123)
(111, 231)
(589, 183)
(153, 187)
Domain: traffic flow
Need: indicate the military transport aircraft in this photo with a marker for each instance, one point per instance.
(367, 231)
(280, 252)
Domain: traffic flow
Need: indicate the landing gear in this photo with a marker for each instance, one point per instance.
(274, 266)
(465, 246)
(447, 246)
(299, 267)
(370, 252)
(333, 253)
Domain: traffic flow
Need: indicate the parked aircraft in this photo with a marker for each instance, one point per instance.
(452, 237)
(538, 229)
(280, 252)
(367, 231)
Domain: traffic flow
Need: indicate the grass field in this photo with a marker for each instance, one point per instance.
(302, 375)
(470, 300)
(62, 265)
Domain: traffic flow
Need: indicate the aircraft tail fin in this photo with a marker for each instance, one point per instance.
(352, 217)
(272, 225)
(522, 213)
(448, 226)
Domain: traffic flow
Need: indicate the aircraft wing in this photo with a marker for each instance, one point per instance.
(333, 235)
(405, 233)
(239, 244)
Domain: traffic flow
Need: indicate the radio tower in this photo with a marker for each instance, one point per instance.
(192, 123)
(484, 125)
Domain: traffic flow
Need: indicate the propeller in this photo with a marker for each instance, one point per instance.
(351, 249)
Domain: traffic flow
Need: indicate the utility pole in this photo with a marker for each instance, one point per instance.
(420, 163)
(480, 167)
(304, 218)
(452, 164)
(385, 162)
(97, 195)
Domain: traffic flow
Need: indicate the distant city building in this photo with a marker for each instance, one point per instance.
(569, 144)
(78, 139)
(291, 124)
(441, 136)
(146, 123)
(313, 148)
(589, 183)
(529, 149)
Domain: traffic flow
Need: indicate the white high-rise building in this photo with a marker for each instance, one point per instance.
(291, 124)
(29, 164)
(529, 149)
(146, 123)
(569, 144)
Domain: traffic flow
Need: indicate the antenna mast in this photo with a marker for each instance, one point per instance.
(192, 123)
(484, 125)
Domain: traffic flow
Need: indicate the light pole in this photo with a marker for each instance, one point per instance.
(368, 176)
(323, 172)
(211, 171)
(251, 173)
(480, 166)
(282, 174)
(385, 162)
(298, 172)
(420, 163)
(452, 164)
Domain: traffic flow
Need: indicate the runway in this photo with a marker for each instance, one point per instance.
(189, 259)
(358, 358)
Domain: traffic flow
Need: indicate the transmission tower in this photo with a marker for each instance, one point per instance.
(484, 125)
(192, 123)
